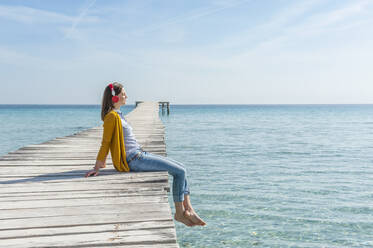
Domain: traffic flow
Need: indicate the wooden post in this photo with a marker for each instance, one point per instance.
(164, 105)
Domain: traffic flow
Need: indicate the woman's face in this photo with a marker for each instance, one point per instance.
(122, 97)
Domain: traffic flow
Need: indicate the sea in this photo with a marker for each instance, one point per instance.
(259, 175)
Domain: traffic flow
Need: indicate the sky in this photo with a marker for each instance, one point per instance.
(187, 52)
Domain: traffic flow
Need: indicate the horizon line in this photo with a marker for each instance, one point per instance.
(92, 104)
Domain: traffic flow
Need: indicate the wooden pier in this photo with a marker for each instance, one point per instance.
(162, 105)
(45, 200)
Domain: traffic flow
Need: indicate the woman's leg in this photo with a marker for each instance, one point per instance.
(151, 162)
(190, 213)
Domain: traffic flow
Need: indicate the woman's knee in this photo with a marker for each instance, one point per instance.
(176, 162)
(181, 172)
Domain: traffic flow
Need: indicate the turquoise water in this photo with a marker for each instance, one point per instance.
(22, 125)
(260, 176)
(276, 176)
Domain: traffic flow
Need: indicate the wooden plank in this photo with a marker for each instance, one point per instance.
(73, 170)
(85, 219)
(79, 195)
(106, 179)
(14, 233)
(91, 151)
(127, 237)
(79, 211)
(96, 200)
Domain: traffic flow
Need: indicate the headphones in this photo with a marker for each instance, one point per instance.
(114, 98)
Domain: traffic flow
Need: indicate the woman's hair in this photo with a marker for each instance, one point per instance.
(107, 103)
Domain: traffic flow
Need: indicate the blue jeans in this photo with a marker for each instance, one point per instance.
(152, 162)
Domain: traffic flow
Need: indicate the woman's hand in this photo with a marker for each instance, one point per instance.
(99, 164)
(91, 173)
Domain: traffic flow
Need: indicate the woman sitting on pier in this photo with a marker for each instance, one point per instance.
(127, 155)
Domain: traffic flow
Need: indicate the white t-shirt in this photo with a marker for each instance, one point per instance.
(130, 141)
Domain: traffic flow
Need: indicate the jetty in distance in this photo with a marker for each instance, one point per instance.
(47, 202)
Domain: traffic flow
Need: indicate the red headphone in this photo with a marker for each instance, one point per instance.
(114, 97)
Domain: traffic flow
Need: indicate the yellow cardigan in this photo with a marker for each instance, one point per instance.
(113, 138)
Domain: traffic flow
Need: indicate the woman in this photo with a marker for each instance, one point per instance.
(127, 155)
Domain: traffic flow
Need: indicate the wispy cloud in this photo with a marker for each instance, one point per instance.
(34, 16)
(31, 15)
(192, 15)
(353, 12)
(305, 19)
(329, 22)
(269, 30)
(79, 18)
(353, 9)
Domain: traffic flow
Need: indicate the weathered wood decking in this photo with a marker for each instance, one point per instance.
(45, 200)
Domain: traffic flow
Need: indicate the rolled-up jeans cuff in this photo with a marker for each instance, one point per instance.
(178, 198)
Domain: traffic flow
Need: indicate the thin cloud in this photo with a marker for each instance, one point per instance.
(338, 15)
(251, 37)
(294, 22)
(77, 20)
(340, 18)
(29, 15)
(195, 14)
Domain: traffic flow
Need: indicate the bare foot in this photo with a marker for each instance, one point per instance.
(193, 216)
(181, 218)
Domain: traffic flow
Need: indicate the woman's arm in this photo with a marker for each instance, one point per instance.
(109, 123)
(99, 164)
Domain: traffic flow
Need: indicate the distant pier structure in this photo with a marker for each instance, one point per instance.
(162, 105)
